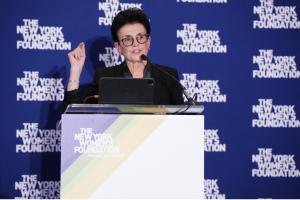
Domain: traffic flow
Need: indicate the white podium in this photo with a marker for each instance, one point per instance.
(126, 151)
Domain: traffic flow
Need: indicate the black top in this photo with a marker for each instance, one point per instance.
(166, 92)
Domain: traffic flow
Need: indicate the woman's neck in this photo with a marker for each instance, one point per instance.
(136, 68)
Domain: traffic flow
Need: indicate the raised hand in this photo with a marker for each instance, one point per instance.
(76, 59)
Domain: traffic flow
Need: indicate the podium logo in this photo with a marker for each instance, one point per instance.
(271, 165)
(39, 89)
(41, 37)
(274, 116)
(271, 66)
(111, 57)
(32, 188)
(205, 90)
(99, 144)
(202, 1)
(35, 140)
(212, 141)
(111, 8)
(211, 189)
(275, 17)
(199, 41)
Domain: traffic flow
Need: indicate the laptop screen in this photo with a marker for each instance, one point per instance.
(120, 90)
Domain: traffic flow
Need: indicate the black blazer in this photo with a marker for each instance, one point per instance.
(166, 92)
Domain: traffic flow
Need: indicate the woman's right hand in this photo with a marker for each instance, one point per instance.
(76, 59)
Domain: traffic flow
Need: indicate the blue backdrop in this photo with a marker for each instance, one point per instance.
(241, 58)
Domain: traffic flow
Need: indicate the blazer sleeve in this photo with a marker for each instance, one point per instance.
(76, 96)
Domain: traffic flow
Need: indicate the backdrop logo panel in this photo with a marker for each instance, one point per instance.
(270, 66)
(36, 88)
(211, 189)
(274, 116)
(36, 140)
(111, 8)
(263, 54)
(31, 187)
(199, 41)
(275, 17)
(202, 1)
(212, 141)
(111, 57)
(274, 165)
(39, 37)
(205, 90)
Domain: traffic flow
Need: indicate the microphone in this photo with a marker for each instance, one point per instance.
(144, 57)
(191, 101)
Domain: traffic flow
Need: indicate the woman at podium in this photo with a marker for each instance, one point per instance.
(130, 31)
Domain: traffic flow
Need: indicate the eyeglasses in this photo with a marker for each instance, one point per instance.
(140, 38)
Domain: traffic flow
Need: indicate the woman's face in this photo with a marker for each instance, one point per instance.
(132, 51)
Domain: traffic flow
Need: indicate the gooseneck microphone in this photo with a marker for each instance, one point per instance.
(144, 57)
(191, 101)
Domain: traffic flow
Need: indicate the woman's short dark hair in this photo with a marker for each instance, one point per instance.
(129, 16)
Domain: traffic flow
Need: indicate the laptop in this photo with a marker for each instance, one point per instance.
(121, 90)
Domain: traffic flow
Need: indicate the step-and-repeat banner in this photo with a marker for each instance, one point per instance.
(241, 58)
